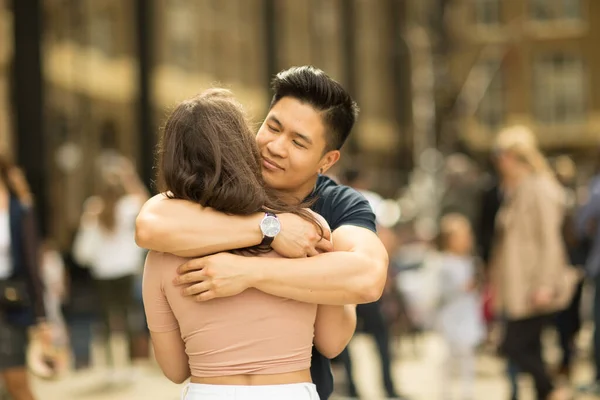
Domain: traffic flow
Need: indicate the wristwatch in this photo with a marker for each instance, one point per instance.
(270, 227)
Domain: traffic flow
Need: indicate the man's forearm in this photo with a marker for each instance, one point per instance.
(335, 278)
(189, 230)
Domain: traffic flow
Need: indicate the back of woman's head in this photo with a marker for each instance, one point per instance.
(208, 155)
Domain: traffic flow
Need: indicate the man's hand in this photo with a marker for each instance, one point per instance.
(301, 238)
(218, 275)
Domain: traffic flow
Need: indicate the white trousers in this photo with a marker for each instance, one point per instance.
(296, 391)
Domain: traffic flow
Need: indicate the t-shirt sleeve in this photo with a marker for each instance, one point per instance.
(349, 207)
(159, 314)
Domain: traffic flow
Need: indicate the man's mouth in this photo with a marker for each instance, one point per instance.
(271, 165)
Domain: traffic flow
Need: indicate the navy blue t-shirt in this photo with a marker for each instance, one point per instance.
(339, 205)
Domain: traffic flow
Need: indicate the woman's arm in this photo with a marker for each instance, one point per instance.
(169, 351)
(334, 327)
(169, 348)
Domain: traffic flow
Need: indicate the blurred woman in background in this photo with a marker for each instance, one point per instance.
(105, 243)
(21, 291)
(529, 273)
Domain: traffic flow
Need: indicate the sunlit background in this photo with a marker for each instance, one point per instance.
(84, 80)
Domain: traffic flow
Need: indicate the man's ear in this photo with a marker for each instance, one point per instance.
(329, 160)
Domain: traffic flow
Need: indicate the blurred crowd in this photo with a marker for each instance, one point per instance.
(69, 299)
(513, 249)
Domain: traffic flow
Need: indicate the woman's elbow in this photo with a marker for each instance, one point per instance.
(333, 349)
(178, 378)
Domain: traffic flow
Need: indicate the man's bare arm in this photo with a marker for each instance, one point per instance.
(187, 229)
(354, 273)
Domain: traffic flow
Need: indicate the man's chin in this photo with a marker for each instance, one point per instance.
(273, 182)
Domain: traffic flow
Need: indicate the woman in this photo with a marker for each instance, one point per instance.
(249, 346)
(21, 293)
(529, 265)
(105, 243)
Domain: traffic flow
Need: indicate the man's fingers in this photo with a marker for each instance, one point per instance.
(196, 289)
(190, 277)
(206, 296)
(311, 252)
(324, 245)
(326, 234)
(192, 265)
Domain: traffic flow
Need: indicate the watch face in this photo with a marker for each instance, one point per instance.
(270, 226)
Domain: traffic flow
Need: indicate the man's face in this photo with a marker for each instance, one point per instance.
(292, 145)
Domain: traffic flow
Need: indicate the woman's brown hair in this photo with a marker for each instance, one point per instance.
(207, 154)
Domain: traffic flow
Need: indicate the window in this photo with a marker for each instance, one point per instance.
(487, 12)
(102, 31)
(552, 10)
(559, 89)
(490, 112)
(181, 33)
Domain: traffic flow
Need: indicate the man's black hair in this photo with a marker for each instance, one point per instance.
(312, 86)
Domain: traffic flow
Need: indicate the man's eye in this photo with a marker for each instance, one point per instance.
(273, 129)
(297, 143)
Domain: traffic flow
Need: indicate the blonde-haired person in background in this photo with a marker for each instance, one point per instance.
(530, 276)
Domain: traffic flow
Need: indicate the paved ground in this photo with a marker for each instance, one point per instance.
(416, 376)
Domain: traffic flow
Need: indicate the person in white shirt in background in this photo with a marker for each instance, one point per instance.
(459, 319)
(105, 243)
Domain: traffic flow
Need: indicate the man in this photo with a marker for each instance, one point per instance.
(310, 117)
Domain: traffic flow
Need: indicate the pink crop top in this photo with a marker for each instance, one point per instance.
(251, 333)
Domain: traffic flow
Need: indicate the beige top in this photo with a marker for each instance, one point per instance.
(251, 333)
(529, 252)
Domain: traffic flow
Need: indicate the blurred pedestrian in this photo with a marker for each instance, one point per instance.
(370, 317)
(105, 242)
(568, 321)
(460, 320)
(21, 289)
(530, 275)
(588, 229)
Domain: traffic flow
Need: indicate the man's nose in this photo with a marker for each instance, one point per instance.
(278, 147)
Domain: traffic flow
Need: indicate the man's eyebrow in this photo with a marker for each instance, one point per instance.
(275, 120)
(303, 137)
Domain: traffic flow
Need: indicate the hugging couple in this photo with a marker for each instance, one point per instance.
(257, 258)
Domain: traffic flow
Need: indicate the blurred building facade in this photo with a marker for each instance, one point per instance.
(425, 73)
(531, 62)
(112, 69)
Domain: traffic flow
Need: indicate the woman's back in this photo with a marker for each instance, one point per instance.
(251, 333)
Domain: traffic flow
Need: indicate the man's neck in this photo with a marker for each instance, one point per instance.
(300, 194)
